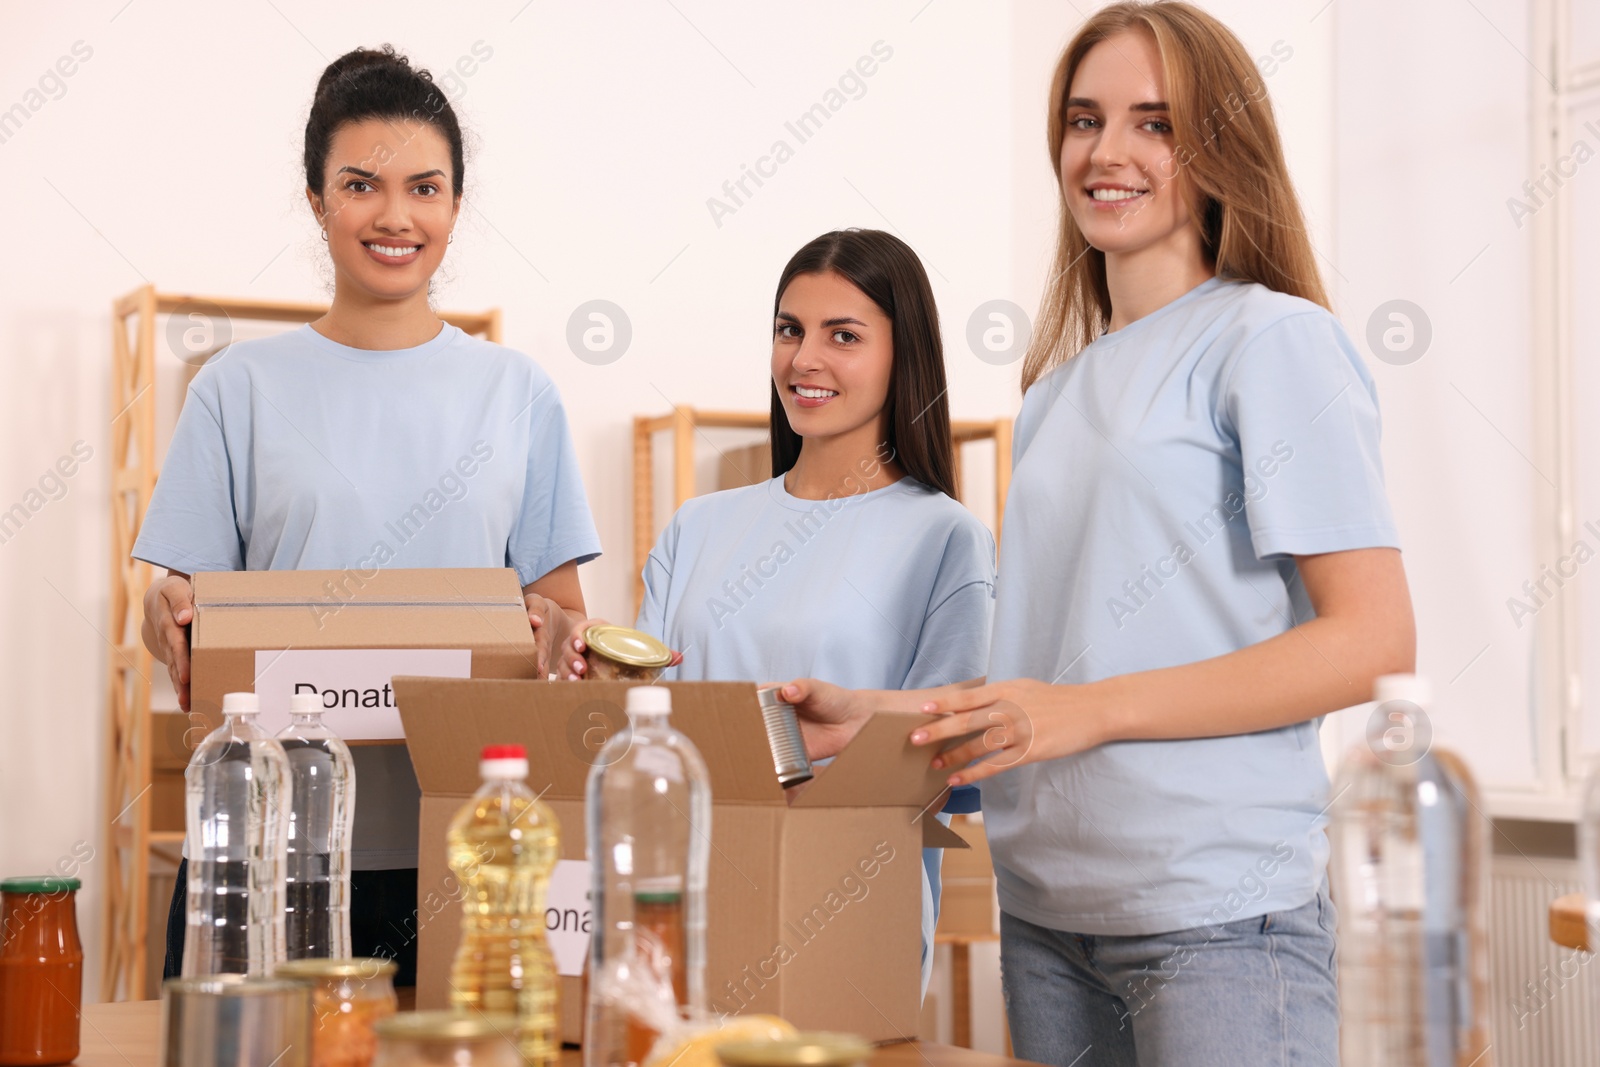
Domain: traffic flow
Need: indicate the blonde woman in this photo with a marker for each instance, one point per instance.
(1199, 563)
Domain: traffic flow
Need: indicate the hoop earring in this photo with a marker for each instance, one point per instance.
(451, 239)
(324, 235)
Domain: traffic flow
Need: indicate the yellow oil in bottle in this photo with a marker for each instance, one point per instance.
(502, 846)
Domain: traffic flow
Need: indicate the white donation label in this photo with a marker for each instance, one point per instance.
(567, 918)
(354, 685)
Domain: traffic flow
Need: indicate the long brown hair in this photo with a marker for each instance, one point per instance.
(1226, 140)
(916, 412)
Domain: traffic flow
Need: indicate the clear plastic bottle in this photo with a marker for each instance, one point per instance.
(238, 792)
(1409, 852)
(1589, 848)
(649, 840)
(321, 814)
(502, 846)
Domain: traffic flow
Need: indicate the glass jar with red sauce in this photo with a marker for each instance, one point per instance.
(41, 971)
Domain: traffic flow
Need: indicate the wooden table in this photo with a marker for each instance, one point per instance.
(129, 1035)
(1567, 925)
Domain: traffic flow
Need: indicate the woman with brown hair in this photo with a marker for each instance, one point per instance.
(853, 562)
(1200, 563)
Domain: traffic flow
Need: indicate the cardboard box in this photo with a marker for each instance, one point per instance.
(740, 467)
(814, 909)
(968, 904)
(344, 634)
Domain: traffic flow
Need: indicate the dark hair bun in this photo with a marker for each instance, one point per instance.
(377, 83)
(360, 59)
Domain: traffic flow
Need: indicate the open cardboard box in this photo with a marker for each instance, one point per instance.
(344, 634)
(814, 909)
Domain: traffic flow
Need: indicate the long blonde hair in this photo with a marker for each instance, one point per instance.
(1226, 137)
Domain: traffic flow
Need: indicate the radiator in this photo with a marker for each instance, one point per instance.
(1541, 996)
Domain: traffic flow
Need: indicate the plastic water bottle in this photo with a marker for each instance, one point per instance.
(1589, 849)
(237, 786)
(321, 813)
(649, 838)
(1409, 857)
(503, 845)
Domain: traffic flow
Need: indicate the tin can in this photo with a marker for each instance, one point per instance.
(618, 653)
(229, 1020)
(806, 1050)
(789, 757)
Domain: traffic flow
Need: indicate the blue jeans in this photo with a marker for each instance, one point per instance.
(1258, 992)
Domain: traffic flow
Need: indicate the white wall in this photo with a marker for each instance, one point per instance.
(599, 132)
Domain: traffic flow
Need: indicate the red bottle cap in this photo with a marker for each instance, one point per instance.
(504, 752)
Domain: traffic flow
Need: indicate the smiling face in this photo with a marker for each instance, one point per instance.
(832, 356)
(1120, 172)
(386, 206)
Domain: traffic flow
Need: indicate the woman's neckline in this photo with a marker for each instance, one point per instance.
(1111, 337)
(845, 495)
(446, 336)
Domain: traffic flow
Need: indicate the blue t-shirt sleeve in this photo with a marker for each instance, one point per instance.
(555, 526)
(191, 525)
(657, 577)
(1305, 414)
(953, 645)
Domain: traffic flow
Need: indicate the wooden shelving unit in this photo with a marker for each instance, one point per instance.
(129, 836)
(685, 422)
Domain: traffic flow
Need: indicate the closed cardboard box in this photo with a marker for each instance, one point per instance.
(344, 634)
(814, 909)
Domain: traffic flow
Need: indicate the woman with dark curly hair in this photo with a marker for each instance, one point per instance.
(300, 451)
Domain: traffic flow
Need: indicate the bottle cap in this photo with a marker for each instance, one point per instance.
(504, 761)
(771, 696)
(42, 883)
(1412, 688)
(240, 704)
(306, 704)
(649, 700)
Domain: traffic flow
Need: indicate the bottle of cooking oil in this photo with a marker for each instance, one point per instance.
(503, 845)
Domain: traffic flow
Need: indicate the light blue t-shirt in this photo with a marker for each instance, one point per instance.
(1163, 479)
(295, 452)
(888, 589)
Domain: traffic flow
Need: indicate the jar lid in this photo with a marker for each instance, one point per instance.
(411, 1025)
(627, 646)
(40, 883)
(368, 967)
(805, 1050)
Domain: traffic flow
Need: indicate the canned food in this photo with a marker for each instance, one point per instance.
(789, 757)
(229, 1020)
(618, 653)
(447, 1038)
(347, 998)
(806, 1050)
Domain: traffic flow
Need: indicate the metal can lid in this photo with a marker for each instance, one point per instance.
(627, 646)
(805, 1050)
(446, 1025)
(233, 985)
(368, 967)
(769, 696)
(39, 883)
